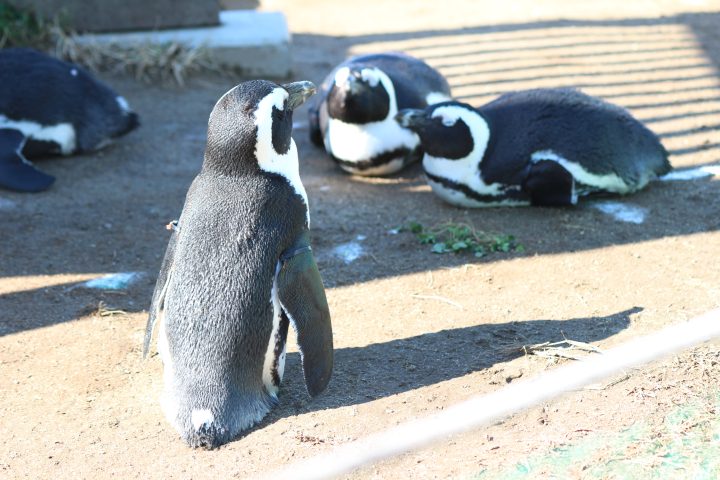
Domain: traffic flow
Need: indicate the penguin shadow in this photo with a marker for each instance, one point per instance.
(47, 306)
(364, 374)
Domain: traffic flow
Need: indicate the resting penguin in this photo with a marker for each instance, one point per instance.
(238, 269)
(353, 117)
(59, 108)
(539, 147)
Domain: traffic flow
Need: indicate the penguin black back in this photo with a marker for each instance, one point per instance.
(545, 147)
(59, 106)
(558, 120)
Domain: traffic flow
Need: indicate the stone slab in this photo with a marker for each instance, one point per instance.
(119, 15)
(258, 43)
(239, 4)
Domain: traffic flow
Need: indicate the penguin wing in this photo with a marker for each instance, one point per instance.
(16, 172)
(318, 119)
(158, 298)
(302, 296)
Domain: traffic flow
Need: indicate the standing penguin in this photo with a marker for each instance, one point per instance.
(353, 117)
(539, 147)
(58, 108)
(238, 269)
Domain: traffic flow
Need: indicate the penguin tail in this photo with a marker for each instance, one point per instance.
(214, 418)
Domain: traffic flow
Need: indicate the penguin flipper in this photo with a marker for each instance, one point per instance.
(302, 296)
(314, 126)
(16, 172)
(317, 120)
(549, 184)
(158, 298)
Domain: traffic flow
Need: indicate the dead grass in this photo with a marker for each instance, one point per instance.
(562, 349)
(148, 62)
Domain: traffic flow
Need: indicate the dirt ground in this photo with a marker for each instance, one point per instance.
(414, 332)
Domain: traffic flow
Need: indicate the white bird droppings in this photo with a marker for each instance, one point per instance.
(348, 252)
(7, 204)
(692, 173)
(622, 212)
(114, 281)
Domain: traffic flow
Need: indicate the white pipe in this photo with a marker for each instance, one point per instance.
(485, 409)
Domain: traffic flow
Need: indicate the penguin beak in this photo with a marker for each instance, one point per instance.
(412, 119)
(299, 92)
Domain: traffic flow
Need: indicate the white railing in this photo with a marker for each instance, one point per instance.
(485, 409)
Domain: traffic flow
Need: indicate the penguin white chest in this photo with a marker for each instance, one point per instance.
(464, 173)
(62, 134)
(358, 142)
(274, 362)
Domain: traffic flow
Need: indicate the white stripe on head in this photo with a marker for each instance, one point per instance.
(124, 106)
(372, 76)
(342, 76)
(268, 159)
(465, 171)
(436, 97)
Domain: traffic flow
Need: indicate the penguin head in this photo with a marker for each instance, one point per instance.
(250, 128)
(448, 131)
(361, 94)
(104, 114)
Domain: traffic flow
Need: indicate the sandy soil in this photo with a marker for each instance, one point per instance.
(415, 332)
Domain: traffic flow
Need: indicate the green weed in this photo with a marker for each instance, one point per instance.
(459, 237)
(23, 28)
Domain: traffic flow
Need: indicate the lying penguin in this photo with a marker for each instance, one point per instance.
(56, 108)
(237, 270)
(539, 147)
(353, 117)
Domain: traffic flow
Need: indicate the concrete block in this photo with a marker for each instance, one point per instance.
(118, 15)
(258, 43)
(239, 4)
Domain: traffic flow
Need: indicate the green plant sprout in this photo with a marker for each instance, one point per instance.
(452, 237)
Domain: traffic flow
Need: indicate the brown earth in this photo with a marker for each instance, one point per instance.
(414, 332)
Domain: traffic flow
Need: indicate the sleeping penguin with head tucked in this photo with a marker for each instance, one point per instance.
(540, 147)
(353, 118)
(51, 107)
(237, 271)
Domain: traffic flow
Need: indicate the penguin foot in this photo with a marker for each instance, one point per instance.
(550, 185)
(208, 437)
